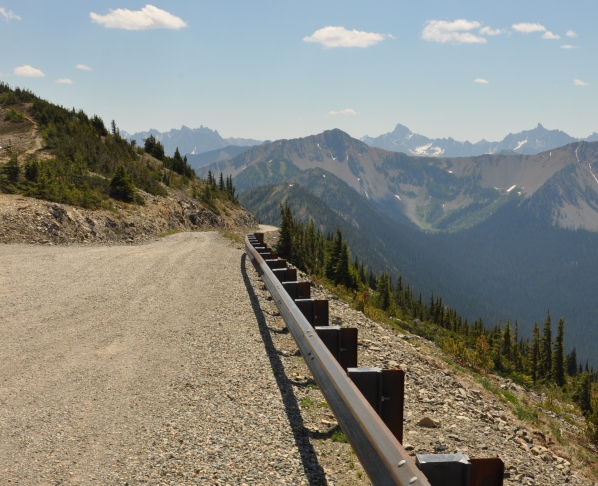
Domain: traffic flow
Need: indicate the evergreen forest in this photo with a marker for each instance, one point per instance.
(539, 362)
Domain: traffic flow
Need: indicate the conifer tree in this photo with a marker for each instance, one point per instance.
(11, 169)
(546, 350)
(558, 357)
(284, 246)
(384, 291)
(342, 272)
(535, 358)
(572, 362)
(221, 183)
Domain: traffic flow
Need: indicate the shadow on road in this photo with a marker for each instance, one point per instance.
(313, 470)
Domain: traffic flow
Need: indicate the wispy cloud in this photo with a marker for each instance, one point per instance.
(455, 32)
(571, 33)
(490, 31)
(83, 67)
(550, 36)
(8, 15)
(64, 81)
(481, 81)
(568, 46)
(579, 82)
(149, 17)
(346, 111)
(28, 71)
(528, 28)
(341, 37)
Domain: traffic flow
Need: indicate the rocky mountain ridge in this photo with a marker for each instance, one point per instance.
(435, 193)
(189, 140)
(528, 142)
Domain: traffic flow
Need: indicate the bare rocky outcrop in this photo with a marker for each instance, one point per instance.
(29, 220)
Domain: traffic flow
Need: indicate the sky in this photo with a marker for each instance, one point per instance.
(268, 70)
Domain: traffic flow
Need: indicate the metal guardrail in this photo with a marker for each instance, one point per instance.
(380, 453)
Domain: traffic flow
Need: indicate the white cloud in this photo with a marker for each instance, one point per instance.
(490, 31)
(456, 32)
(28, 71)
(579, 82)
(64, 81)
(83, 67)
(481, 81)
(340, 37)
(527, 28)
(550, 36)
(571, 33)
(149, 17)
(8, 14)
(568, 46)
(346, 111)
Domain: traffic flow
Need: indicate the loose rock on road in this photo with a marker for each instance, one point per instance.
(140, 365)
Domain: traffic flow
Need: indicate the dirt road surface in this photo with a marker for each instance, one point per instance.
(139, 365)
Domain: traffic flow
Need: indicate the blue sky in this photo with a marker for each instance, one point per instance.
(272, 69)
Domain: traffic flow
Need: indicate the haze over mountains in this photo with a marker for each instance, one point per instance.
(539, 139)
(189, 140)
(492, 234)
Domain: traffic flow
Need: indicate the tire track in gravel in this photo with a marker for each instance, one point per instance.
(140, 365)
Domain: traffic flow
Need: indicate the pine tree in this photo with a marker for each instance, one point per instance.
(284, 246)
(546, 350)
(583, 394)
(572, 362)
(558, 361)
(221, 183)
(507, 343)
(342, 272)
(121, 185)
(12, 169)
(384, 291)
(535, 358)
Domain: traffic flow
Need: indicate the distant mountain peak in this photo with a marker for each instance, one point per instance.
(528, 142)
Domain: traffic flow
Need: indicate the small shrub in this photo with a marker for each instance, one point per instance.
(14, 116)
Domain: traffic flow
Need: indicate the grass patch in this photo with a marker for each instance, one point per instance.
(525, 413)
(306, 402)
(231, 235)
(313, 386)
(339, 436)
(172, 231)
(323, 405)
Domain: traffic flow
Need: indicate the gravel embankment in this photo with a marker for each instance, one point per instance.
(142, 365)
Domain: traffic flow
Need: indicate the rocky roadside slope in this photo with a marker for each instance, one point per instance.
(29, 220)
(445, 411)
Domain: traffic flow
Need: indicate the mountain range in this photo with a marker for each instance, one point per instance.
(527, 142)
(435, 193)
(189, 140)
(497, 236)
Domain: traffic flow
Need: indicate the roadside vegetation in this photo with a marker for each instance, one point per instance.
(539, 364)
(83, 163)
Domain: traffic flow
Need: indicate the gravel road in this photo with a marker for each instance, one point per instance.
(141, 365)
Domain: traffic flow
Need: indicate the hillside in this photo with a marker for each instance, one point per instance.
(534, 141)
(496, 270)
(64, 178)
(435, 193)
